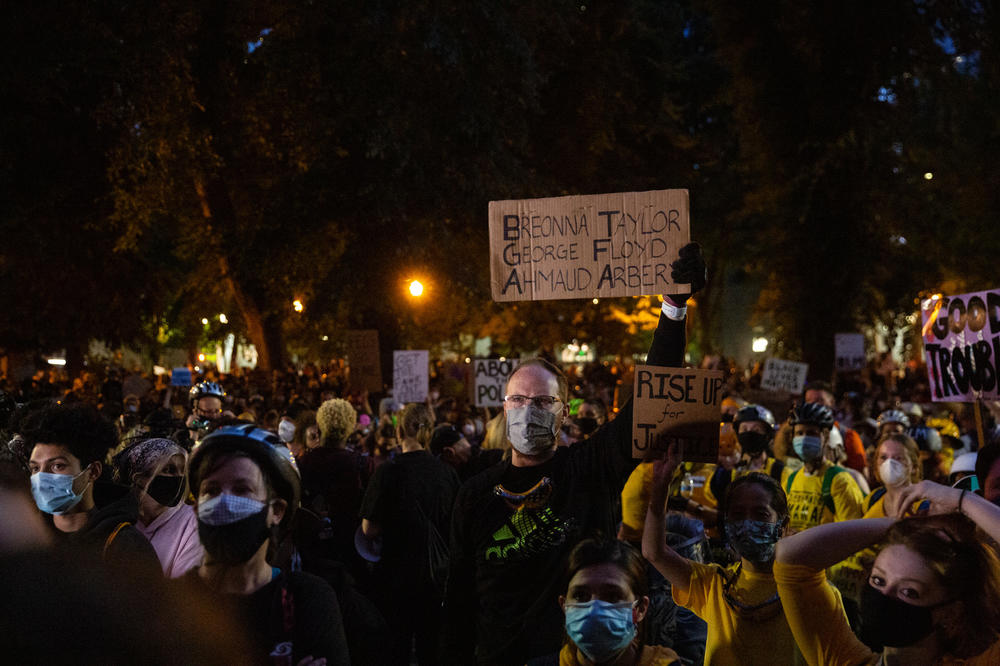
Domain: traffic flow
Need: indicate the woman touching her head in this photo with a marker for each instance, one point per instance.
(933, 593)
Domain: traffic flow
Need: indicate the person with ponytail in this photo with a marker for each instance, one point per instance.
(406, 507)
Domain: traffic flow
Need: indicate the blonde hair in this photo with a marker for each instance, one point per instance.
(336, 419)
(417, 421)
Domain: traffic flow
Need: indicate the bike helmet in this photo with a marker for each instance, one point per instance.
(754, 413)
(893, 416)
(206, 390)
(811, 413)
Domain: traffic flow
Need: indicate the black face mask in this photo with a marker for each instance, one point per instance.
(236, 542)
(890, 622)
(166, 490)
(752, 442)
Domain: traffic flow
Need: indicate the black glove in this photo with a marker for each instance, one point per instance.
(689, 269)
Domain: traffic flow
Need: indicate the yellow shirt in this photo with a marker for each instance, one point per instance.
(816, 618)
(635, 500)
(734, 638)
(805, 499)
(651, 655)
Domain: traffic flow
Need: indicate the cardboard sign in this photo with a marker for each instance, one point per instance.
(489, 380)
(785, 376)
(180, 377)
(600, 245)
(410, 376)
(849, 352)
(962, 346)
(676, 404)
(363, 359)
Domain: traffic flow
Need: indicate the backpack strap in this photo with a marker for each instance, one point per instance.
(828, 477)
(791, 480)
(874, 497)
(111, 538)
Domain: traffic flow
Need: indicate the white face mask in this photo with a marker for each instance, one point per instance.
(286, 431)
(892, 472)
(531, 430)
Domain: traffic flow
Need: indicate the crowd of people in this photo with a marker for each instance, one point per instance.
(283, 520)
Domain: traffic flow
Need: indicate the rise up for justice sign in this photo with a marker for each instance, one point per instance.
(962, 346)
(601, 245)
(676, 404)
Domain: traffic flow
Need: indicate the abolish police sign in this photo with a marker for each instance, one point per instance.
(962, 346)
(676, 404)
(599, 245)
(489, 380)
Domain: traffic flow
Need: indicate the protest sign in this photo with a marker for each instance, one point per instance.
(962, 346)
(676, 404)
(180, 377)
(786, 376)
(410, 375)
(849, 351)
(363, 359)
(599, 245)
(489, 380)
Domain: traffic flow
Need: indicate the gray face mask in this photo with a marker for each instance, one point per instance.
(531, 430)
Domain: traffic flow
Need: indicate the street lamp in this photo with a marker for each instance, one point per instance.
(416, 288)
(297, 305)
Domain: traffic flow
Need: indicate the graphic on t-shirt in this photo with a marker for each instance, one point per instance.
(805, 509)
(526, 533)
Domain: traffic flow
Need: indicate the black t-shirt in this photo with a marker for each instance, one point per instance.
(508, 556)
(316, 629)
(413, 483)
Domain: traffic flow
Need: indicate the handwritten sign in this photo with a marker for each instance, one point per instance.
(489, 380)
(410, 377)
(962, 346)
(363, 357)
(849, 351)
(180, 377)
(676, 404)
(786, 376)
(600, 245)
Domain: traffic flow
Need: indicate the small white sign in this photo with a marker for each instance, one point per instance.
(410, 377)
(784, 376)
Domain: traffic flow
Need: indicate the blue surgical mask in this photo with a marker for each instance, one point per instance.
(600, 629)
(53, 493)
(808, 447)
(754, 539)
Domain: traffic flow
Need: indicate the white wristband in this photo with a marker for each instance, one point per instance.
(674, 312)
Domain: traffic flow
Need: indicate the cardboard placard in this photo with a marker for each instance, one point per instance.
(180, 377)
(599, 245)
(849, 352)
(410, 376)
(363, 359)
(784, 376)
(681, 404)
(489, 378)
(962, 346)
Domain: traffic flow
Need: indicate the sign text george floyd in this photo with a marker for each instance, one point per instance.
(676, 404)
(962, 346)
(601, 245)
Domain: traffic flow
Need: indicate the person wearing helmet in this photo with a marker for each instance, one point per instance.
(754, 431)
(206, 408)
(245, 487)
(820, 492)
(892, 422)
(852, 449)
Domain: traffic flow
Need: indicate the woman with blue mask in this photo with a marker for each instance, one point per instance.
(740, 604)
(246, 488)
(604, 605)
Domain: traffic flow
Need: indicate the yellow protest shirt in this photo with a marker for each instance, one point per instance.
(651, 655)
(737, 637)
(635, 500)
(806, 507)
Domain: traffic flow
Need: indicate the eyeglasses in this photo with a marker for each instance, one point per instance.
(540, 401)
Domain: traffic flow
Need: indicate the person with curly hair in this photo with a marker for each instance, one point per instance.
(332, 482)
(68, 445)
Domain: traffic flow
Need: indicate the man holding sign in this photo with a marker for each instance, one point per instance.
(514, 524)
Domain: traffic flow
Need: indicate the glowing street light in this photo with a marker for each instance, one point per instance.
(297, 305)
(759, 345)
(204, 321)
(223, 319)
(416, 288)
(928, 176)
